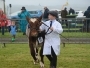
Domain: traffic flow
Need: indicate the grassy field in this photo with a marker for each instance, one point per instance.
(65, 34)
(18, 56)
(76, 34)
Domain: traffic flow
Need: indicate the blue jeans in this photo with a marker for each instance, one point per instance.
(2, 30)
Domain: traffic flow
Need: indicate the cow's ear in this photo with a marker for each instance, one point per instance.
(40, 18)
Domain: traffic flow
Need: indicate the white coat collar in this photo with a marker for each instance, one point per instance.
(53, 20)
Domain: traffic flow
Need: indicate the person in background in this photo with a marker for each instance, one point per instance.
(64, 14)
(9, 25)
(0, 26)
(87, 24)
(52, 38)
(3, 21)
(57, 18)
(45, 15)
(23, 23)
(0, 22)
(13, 30)
(71, 11)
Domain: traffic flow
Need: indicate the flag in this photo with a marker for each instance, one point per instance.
(66, 3)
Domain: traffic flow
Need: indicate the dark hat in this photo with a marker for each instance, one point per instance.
(53, 13)
(23, 8)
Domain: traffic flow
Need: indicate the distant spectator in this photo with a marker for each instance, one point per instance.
(0, 26)
(13, 30)
(9, 24)
(71, 11)
(23, 23)
(87, 24)
(0, 23)
(45, 15)
(3, 22)
(64, 14)
(57, 15)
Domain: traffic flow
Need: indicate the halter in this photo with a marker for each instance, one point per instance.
(46, 33)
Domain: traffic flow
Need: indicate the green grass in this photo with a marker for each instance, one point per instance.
(18, 56)
(71, 28)
(76, 35)
(76, 25)
(65, 34)
(8, 35)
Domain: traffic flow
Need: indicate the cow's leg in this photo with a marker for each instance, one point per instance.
(42, 57)
(41, 54)
(36, 46)
(37, 54)
(32, 51)
(36, 50)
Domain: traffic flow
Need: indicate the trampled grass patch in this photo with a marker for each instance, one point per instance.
(18, 56)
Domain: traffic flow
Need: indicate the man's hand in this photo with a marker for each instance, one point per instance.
(51, 28)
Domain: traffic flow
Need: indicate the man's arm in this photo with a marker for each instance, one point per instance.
(19, 14)
(6, 22)
(62, 13)
(42, 27)
(66, 12)
(28, 14)
(58, 29)
(85, 13)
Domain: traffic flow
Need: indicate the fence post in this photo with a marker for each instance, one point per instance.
(63, 44)
(4, 44)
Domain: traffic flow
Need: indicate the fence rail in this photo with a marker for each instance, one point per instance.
(76, 30)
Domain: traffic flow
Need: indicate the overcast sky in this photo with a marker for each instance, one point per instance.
(48, 2)
(51, 4)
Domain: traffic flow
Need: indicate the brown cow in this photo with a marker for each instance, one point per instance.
(33, 39)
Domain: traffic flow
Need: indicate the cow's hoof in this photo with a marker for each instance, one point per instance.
(41, 65)
(36, 62)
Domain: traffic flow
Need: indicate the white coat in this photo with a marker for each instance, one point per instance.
(52, 39)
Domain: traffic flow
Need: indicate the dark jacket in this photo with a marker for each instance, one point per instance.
(87, 13)
(71, 11)
(87, 24)
(64, 13)
(45, 15)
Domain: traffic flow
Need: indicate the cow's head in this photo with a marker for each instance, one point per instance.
(34, 26)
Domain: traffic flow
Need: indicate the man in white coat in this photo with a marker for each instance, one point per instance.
(52, 38)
